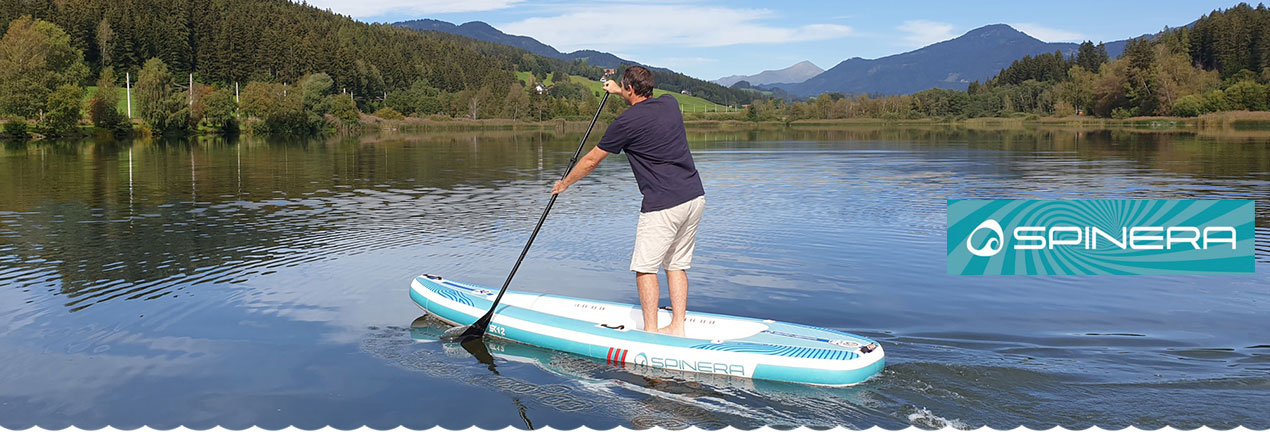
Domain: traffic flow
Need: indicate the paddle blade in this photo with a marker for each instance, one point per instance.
(463, 333)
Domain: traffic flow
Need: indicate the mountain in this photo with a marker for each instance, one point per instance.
(481, 31)
(952, 64)
(790, 75)
(666, 79)
(975, 56)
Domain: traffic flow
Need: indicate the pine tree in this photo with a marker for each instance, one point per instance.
(1091, 57)
(9, 11)
(1141, 75)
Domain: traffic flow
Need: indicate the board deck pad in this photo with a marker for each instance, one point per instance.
(713, 343)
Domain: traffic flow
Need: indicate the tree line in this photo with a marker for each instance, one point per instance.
(259, 48)
(226, 41)
(42, 72)
(293, 68)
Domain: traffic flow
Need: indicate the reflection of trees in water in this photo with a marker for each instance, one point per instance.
(145, 220)
(1166, 164)
(1177, 152)
(100, 257)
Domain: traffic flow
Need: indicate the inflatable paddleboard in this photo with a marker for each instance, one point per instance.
(713, 343)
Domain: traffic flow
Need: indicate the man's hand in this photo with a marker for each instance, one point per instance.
(560, 187)
(613, 87)
(585, 166)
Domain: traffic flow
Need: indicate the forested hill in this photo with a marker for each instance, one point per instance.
(265, 40)
(665, 79)
(481, 31)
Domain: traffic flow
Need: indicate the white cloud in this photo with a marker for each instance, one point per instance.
(421, 8)
(1049, 34)
(922, 33)
(610, 28)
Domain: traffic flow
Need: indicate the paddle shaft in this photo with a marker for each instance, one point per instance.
(482, 324)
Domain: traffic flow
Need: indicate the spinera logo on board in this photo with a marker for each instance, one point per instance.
(1100, 237)
(642, 359)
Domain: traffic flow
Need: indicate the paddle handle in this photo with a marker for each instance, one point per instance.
(483, 322)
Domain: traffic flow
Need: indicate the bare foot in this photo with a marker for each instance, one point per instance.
(673, 330)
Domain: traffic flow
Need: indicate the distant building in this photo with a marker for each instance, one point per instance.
(538, 88)
(610, 71)
(685, 92)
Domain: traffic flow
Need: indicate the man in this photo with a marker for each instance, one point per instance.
(651, 132)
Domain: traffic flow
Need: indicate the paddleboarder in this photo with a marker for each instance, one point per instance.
(651, 132)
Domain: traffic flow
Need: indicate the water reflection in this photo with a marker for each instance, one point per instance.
(650, 397)
(478, 350)
(225, 226)
(234, 281)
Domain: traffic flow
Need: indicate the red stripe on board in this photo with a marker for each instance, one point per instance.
(624, 357)
(609, 358)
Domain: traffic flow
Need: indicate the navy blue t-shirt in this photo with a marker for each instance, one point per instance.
(652, 135)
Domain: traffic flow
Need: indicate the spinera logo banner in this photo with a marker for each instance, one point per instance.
(1087, 237)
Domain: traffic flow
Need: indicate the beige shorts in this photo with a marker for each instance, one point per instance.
(666, 238)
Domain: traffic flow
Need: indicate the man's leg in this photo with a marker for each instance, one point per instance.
(677, 260)
(678, 281)
(649, 293)
(653, 237)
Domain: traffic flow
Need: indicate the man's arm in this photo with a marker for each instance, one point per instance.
(585, 166)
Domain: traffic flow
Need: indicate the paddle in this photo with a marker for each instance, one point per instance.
(477, 329)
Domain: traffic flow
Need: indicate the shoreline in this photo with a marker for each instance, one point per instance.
(1218, 119)
(1254, 123)
(1226, 119)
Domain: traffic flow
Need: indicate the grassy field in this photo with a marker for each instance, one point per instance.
(688, 103)
(524, 77)
(122, 106)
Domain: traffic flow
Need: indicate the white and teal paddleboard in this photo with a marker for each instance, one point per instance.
(713, 344)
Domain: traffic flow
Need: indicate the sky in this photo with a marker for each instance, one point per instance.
(709, 39)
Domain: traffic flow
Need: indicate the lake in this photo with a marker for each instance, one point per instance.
(264, 282)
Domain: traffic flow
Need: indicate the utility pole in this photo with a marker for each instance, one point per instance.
(191, 89)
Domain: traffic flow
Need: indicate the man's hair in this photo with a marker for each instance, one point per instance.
(639, 80)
